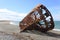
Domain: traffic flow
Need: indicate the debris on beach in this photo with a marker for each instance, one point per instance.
(38, 19)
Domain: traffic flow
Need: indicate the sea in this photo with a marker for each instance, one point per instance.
(56, 28)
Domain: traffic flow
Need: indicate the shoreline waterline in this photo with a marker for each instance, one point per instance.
(56, 29)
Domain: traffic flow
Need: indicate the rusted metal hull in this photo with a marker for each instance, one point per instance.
(38, 19)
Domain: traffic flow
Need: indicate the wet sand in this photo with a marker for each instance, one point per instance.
(12, 32)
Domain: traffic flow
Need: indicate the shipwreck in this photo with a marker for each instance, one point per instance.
(39, 19)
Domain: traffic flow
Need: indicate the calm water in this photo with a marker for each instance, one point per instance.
(57, 24)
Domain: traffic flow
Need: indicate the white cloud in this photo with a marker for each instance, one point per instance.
(55, 11)
(6, 14)
(56, 17)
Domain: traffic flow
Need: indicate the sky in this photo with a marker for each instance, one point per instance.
(16, 10)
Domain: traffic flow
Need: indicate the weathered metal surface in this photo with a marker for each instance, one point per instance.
(38, 19)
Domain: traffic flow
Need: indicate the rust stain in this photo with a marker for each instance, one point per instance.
(38, 19)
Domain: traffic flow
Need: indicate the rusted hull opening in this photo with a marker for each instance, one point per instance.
(38, 19)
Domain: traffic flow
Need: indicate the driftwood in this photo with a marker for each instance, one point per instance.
(38, 19)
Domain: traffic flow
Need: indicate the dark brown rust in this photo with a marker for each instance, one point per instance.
(38, 19)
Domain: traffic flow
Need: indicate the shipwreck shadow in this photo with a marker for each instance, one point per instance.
(53, 34)
(50, 34)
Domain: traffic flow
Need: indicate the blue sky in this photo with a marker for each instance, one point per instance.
(17, 9)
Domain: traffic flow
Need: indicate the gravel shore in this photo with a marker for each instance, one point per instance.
(12, 32)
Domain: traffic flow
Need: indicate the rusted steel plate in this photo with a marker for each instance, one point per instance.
(38, 19)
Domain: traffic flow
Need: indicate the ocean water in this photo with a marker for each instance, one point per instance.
(57, 24)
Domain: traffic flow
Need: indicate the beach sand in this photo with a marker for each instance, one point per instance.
(12, 32)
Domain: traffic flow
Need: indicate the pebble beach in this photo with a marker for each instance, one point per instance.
(12, 32)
